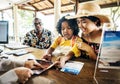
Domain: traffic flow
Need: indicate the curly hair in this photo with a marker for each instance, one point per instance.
(71, 22)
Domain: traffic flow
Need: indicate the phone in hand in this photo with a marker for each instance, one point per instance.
(45, 64)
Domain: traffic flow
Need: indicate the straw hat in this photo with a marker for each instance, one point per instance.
(90, 9)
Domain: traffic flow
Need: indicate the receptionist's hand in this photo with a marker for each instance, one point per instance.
(23, 74)
(33, 64)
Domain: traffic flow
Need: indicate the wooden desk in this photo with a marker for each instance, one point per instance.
(85, 76)
(108, 76)
(53, 76)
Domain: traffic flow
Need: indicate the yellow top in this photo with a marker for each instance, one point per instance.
(61, 42)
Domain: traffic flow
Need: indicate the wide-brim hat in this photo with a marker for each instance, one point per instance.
(90, 9)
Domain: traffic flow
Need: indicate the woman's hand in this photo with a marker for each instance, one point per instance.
(87, 48)
(83, 46)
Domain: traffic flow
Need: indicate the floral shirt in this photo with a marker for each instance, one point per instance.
(95, 47)
(32, 40)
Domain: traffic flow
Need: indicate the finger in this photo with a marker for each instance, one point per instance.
(28, 73)
(31, 72)
(48, 58)
(37, 66)
(44, 60)
(23, 82)
(58, 58)
(25, 79)
(79, 45)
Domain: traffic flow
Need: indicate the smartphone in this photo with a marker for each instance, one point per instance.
(44, 63)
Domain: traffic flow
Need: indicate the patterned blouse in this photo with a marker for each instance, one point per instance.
(95, 47)
(32, 40)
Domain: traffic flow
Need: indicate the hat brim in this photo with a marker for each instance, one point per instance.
(103, 18)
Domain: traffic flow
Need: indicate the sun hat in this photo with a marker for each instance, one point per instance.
(90, 9)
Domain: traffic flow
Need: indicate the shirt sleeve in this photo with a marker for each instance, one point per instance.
(27, 39)
(9, 77)
(47, 35)
(7, 64)
(75, 49)
(56, 42)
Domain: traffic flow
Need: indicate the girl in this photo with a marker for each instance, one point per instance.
(68, 30)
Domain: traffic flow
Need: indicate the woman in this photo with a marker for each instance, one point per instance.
(90, 22)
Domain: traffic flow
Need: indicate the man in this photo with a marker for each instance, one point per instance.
(17, 71)
(38, 37)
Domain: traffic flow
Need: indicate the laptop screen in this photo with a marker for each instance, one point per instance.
(3, 32)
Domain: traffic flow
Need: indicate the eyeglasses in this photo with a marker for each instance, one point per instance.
(39, 23)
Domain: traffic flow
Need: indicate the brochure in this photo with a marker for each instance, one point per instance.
(110, 50)
(73, 67)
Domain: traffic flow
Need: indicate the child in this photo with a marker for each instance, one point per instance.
(68, 30)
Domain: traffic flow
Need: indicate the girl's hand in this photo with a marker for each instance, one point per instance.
(47, 57)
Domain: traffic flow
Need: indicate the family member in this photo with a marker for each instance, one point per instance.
(90, 21)
(68, 30)
(39, 37)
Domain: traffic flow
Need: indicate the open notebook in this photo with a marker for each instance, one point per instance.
(109, 53)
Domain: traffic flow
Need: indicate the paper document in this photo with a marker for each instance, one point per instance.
(73, 67)
(15, 46)
(17, 52)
